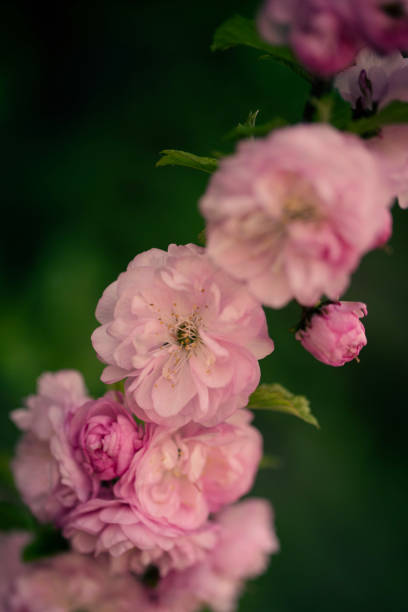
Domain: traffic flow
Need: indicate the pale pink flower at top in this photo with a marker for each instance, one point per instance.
(109, 527)
(333, 333)
(187, 336)
(185, 474)
(374, 80)
(292, 214)
(391, 146)
(383, 23)
(46, 473)
(322, 33)
(246, 540)
(104, 437)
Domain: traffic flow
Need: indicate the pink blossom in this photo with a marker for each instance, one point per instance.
(114, 528)
(46, 472)
(391, 145)
(322, 33)
(292, 214)
(333, 333)
(374, 80)
(246, 539)
(185, 474)
(104, 437)
(11, 547)
(187, 336)
(383, 23)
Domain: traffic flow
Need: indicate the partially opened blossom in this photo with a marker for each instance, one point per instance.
(46, 472)
(383, 23)
(185, 474)
(374, 80)
(104, 437)
(186, 335)
(292, 214)
(115, 529)
(322, 33)
(334, 333)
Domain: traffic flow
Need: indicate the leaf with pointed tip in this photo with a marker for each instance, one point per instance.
(277, 398)
(172, 157)
(241, 31)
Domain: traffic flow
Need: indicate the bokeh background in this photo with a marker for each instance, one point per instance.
(89, 95)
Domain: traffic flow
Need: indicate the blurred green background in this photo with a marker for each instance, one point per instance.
(89, 95)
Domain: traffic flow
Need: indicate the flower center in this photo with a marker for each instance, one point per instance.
(186, 334)
(296, 208)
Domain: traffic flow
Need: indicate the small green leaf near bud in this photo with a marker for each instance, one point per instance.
(172, 157)
(276, 398)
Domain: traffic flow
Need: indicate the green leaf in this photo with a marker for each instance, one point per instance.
(396, 112)
(47, 542)
(244, 130)
(277, 398)
(171, 157)
(241, 31)
(6, 477)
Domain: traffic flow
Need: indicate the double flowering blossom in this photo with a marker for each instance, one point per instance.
(147, 482)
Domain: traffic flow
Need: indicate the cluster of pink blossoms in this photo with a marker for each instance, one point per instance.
(327, 34)
(145, 484)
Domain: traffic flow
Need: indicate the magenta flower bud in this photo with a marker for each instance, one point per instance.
(333, 333)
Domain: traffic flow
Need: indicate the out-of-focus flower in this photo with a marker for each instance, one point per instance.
(104, 437)
(391, 145)
(187, 336)
(374, 80)
(11, 546)
(383, 23)
(185, 474)
(131, 540)
(292, 214)
(46, 473)
(322, 33)
(334, 333)
(246, 540)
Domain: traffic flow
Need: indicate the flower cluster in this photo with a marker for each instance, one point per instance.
(327, 34)
(145, 482)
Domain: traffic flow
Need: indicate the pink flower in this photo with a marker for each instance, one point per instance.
(333, 333)
(185, 474)
(114, 528)
(187, 336)
(246, 539)
(383, 23)
(391, 145)
(104, 437)
(375, 80)
(11, 547)
(45, 470)
(321, 32)
(292, 214)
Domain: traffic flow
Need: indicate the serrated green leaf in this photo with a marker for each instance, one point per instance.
(277, 398)
(172, 157)
(244, 130)
(396, 112)
(47, 541)
(241, 31)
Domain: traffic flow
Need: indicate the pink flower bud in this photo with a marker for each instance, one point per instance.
(333, 333)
